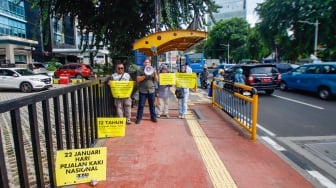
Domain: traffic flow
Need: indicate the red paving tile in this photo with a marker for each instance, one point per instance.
(251, 164)
(164, 154)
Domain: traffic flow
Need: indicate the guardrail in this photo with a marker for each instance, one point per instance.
(239, 101)
(34, 127)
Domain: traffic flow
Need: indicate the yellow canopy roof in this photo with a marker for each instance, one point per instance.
(165, 41)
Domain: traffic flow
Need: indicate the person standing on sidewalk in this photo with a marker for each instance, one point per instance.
(183, 102)
(123, 105)
(163, 96)
(146, 88)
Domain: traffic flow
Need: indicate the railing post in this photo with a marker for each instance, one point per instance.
(254, 115)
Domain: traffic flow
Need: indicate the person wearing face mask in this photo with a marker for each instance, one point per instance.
(123, 105)
(146, 88)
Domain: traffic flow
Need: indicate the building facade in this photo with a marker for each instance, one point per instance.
(23, 41)
(15, 45)
(229, 9)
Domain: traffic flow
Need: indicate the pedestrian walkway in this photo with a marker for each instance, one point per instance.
(203, 150)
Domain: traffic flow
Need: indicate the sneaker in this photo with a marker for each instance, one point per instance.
(128, 121)
(183, 116)
(137, 121)
(167, 116)
(154, 120)
(158, 115)
(180, 116)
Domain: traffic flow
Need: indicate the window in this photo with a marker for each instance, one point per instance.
(20, 59)
(299, 70)
(313, 69)
(5, 72)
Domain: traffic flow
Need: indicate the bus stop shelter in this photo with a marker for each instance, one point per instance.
(165, 41)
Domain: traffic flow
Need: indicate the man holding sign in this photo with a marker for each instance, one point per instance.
(122, 103)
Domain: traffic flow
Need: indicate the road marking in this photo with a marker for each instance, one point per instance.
(273, 143)
(323, 180)
(219, 175)
(300, 102)
(266, 130)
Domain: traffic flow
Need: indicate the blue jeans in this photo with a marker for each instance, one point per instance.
(141, 105)
(183, 104)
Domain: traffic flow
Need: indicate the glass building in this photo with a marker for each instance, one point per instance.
(15, 45)
(22, 40)
(229, 9)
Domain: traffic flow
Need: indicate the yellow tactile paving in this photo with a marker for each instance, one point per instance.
(218, 173)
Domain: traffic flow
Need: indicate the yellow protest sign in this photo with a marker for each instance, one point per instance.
(186, 80)
(80, 165)
(111, 126)
(167, 78)
(121, 89)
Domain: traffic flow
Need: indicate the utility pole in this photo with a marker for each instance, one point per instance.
(316, 33)
(228, 51)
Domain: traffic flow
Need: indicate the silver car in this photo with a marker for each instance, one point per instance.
(23, 79)
(38, 68)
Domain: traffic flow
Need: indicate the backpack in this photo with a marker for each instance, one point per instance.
(179, 92)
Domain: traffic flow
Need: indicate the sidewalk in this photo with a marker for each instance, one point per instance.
(204, 150)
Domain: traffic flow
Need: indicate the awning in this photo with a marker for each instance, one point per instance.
(165, 41)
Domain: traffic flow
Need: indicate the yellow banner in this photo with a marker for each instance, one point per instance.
(121, 89)
(167, 79)
(111, 126)
(80, 166)
(186, 80)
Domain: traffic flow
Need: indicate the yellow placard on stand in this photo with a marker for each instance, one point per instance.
(80, 166)
(111, 126)
(167, 79)
(121, 89)
(185, 80)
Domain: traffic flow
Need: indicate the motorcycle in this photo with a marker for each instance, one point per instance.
(204, 82)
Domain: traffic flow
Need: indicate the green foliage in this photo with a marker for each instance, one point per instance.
(279, 17)
(234, 32)
(117, 24)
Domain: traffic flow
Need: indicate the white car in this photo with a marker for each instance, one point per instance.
(23, 79)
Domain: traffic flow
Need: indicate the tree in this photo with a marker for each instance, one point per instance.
(281, 26)
(233, 32)
(118, 24)
(256, 45)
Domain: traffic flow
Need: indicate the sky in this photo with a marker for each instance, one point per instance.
(251, 15)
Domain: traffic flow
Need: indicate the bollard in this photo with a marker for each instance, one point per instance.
(64, 79)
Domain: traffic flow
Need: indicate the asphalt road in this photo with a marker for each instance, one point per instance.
(297, 114)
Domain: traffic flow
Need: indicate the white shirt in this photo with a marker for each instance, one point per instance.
(188, 69)
(125, 77)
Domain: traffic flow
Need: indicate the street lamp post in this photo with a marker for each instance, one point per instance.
(316, 33)
(228, 51)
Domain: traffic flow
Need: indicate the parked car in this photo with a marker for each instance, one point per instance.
(23, 79)
(77, 70)
(263, 77)
(38, 68)
(318, 78)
